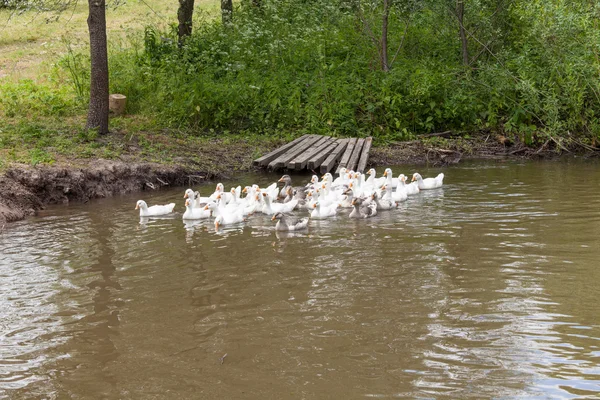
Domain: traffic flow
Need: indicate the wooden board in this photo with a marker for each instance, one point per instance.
(302, 159)
(335, 155)
(283, 159)
(355, 154)
(267, 158)
(364, 156)
(347, 154)
(318, 158)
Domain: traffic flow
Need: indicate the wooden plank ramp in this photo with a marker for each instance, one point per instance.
(346, 157)
(267, 158)
(334, 156)
(364, 156)
(316, 160)
(302, 159)
(353, 162)
(290, 154)
(318, 152)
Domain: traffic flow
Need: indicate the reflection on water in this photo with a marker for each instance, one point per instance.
(485, 288)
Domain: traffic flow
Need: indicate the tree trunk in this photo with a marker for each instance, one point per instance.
(184, 16)
(460, 14)
(384, 36)
(98, 111)
(227, 11)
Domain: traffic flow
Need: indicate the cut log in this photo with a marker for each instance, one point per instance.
(266, 159)
(117, 103)
(293, 152)
(355, 154)
(347, 154)
(335, 155)
(364, 157)
(302, 159)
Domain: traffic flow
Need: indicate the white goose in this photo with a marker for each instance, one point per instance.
(271, 208)
(321, 212)
(192, 212)
(390, 179)
(411, 188)
(197, 201)
(153, 211)
(228, 219)
(428, 183)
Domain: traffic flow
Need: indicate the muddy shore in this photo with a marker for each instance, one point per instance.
(25, 189)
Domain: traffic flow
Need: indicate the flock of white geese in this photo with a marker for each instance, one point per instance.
(324, 198)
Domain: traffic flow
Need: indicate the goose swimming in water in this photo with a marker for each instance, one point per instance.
(287, 222)
(428, 183)
(153, 211)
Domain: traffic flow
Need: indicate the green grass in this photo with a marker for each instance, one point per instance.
(50, 141)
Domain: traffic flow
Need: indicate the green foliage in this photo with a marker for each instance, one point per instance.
(313, 66)
(26, 98)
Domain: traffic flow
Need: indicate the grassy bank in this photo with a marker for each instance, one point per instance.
(290, 68)
(64, 142)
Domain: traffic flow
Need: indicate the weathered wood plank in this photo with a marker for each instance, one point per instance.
(283, 159)
(312, 152)
(347, 154)
(355, 154)
(335, 155)
(364, 157)
(301, 159)
(267, 158)
(316, 160)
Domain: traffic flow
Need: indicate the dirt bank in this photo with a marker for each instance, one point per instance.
(25, 189)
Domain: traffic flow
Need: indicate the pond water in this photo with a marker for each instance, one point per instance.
(485, 288)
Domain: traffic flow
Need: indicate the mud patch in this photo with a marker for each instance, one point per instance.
(25, 190)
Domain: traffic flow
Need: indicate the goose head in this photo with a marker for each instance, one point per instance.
(285, 179)
(141, 204)
(416, 177)
(188, 193)
(218, 221)
(277, 216)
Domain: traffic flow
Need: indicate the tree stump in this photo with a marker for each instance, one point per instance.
(116, 103)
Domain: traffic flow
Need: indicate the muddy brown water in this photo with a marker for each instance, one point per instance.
(487, 288)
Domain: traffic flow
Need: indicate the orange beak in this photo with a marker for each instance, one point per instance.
(185, 196)
(264, 194)
(245, 190)
(413, 179)
(315, 205)
(273, 219)
(217, 225)
(280, 180)
(385, 173)
(137, 207)
(205, 207)
(219, 197)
